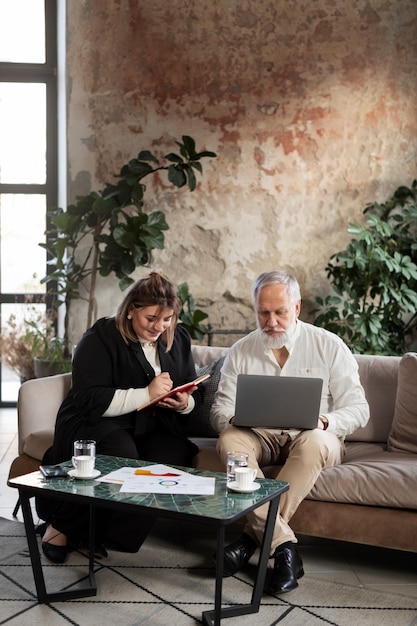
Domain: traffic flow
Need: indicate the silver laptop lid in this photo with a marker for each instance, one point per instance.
(277, 401)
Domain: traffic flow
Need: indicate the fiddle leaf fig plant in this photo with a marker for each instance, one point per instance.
(109, 232)
(374, 280)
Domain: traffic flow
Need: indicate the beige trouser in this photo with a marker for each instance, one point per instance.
(302, 459)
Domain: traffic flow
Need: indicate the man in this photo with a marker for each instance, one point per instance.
(283, 345)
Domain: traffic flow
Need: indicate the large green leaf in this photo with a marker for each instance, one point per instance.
(176, 176)
(104, 207)
(146, 155)
(157, 218)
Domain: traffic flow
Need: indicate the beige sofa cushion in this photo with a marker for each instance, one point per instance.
(379, 377)
(403, 435)
(204, 355)
(370, 475)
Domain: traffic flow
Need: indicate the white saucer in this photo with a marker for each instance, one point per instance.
(74, 474)
(233, 486)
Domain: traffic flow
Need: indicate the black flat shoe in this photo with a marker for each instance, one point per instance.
(56, 554)
(288, 568)
(237, 554)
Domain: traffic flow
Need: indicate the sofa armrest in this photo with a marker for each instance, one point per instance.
(38, 402)
(37, 443)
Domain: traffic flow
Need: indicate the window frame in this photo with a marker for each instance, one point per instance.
(46, 73)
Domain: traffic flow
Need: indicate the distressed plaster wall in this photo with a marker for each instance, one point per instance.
(310, 106)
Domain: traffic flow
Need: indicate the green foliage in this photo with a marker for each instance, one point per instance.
(108, 232)
(190, 317)
(374, 280)
(46, 346)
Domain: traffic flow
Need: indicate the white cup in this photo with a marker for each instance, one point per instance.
(84, 457)
(84, 465)
(244, 477)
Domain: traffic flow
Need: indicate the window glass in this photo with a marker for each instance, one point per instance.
(22, 31)
(16, 355)
(23, 224)
(10, 383)
(23, 133)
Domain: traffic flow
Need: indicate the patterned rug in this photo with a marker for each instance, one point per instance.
(171, 581)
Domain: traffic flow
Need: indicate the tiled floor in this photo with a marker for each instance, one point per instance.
(362, 566)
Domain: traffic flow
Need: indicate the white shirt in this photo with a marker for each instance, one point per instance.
(314, 352)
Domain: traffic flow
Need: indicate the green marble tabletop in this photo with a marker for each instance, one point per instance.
(225, 505)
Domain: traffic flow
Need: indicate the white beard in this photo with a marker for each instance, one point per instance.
(276, 343)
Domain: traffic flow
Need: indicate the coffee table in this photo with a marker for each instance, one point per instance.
(219, 510)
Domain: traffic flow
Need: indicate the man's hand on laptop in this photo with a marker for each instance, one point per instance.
(322, 423)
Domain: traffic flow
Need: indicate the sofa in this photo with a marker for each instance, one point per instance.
(371, 498)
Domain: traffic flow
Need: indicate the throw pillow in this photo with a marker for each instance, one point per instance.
(403, 434)
(199, 423)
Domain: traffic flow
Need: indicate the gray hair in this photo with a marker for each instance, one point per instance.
(277, 277)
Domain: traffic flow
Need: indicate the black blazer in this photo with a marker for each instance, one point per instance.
(103, 363)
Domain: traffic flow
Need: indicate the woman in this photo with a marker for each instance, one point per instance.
(121, 364)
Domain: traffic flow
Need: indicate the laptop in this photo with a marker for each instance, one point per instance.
(277, 401)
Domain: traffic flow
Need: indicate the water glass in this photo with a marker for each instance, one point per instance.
(84, 457)
(235, 459)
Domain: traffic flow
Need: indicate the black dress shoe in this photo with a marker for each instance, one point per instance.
(238, 554)
(56, 554)
(288, 568)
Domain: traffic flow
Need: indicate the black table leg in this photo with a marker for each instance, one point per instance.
(209, 616)
(91, 546)
(83, 589)
(33, 548)
(264, 555)
(253, 607)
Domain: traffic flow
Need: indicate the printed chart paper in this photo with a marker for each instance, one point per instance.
(160, 479)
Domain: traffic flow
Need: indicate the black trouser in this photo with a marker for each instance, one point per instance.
(126, 531)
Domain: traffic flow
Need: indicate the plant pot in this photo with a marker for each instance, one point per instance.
(46, 368)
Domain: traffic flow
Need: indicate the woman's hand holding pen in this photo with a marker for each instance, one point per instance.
(163, 384)
(160, 384)
(178, 401)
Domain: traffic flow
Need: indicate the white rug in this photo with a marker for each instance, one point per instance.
(170, 581)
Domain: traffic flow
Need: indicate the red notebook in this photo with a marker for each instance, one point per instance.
(184, 387)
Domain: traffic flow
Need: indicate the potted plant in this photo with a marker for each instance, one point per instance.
(15, 350)
(373, 302)
(49, 352)
(116, 234)
(30, 346)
